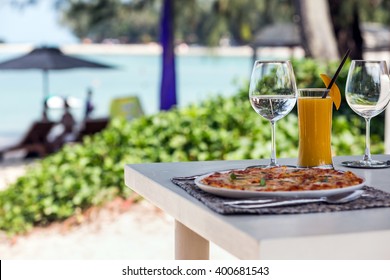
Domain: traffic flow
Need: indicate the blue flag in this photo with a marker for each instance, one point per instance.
(168, 79)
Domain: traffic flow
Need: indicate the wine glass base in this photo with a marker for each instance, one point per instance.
(367, 164)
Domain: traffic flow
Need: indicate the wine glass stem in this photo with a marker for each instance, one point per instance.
(273, 149)
(367, 153)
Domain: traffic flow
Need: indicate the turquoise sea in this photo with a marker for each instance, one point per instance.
(198, 77)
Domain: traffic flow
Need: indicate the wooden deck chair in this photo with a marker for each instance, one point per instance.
(91, 126)
(35, 141)
(128, 107)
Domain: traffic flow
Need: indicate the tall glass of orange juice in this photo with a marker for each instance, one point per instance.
(315, 128)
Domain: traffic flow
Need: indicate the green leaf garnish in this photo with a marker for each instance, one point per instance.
(263, 182)
(324, 179)
(233, 176)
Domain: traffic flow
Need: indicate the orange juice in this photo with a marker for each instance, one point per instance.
(315, 128)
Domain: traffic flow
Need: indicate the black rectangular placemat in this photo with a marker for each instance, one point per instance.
(372, 198)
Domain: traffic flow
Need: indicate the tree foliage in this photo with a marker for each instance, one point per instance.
(207, 22)
(202, 21)
(197, 21)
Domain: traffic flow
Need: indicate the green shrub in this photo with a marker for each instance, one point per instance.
(91, 173)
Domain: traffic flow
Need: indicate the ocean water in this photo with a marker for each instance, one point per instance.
(198, 77)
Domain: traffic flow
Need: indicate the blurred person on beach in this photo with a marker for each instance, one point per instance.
(68, 125)
(45, 117)
(89, 107)
(67, 121)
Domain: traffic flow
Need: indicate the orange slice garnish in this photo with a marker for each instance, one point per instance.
(334, 92)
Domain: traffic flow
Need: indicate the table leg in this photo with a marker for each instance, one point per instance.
(189, 245)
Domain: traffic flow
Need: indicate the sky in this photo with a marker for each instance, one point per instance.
(36, 25)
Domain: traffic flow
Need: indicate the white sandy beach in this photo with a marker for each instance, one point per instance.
(181, 50)
(120, 230)
(155, 49)
(10, 171)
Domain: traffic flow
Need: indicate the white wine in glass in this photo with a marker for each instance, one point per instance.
(368, 93)
(272, 93)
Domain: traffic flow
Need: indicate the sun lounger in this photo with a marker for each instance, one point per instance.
(91, 126)
(128, 107)
(35, 142)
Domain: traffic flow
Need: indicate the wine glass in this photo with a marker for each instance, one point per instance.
(368, 93)
(272, 93)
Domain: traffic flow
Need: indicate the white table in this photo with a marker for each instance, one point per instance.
(360, 234)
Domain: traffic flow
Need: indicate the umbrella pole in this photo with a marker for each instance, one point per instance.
(45, 92)
(45, 84)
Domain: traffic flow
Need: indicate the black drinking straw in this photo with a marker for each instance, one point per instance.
(337, 73)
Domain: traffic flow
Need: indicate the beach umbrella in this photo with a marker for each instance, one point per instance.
(168, 78)
(46, 59)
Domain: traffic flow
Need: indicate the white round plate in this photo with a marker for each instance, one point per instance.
(230, 193)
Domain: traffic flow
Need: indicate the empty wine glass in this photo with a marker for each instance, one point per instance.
(272, 93)
(367, 93)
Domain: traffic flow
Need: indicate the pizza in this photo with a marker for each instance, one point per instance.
(282, 178)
